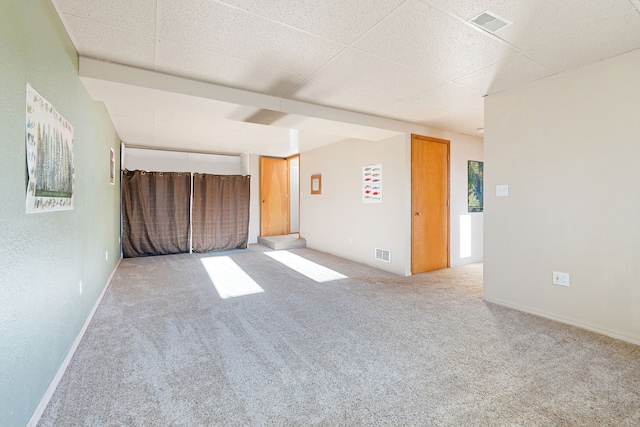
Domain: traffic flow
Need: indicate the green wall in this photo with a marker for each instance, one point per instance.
(44, 256)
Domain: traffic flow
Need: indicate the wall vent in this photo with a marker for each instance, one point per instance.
(383, 255)
(489, 21)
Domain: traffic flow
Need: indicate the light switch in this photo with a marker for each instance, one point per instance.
(502, 190)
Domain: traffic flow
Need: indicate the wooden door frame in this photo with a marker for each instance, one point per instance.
(289, 184)
(448, 201)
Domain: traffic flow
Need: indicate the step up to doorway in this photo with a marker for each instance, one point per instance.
(288, 241)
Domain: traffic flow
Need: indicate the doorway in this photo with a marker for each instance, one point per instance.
(279, 190)
(429, 204)
(274, 196)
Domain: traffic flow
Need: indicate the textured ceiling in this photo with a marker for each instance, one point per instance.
(417, 61)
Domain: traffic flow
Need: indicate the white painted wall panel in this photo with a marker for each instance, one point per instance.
(567, 146)
(177, 161)
(328, 220)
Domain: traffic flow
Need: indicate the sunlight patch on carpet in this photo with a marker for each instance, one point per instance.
(306, 267)
(229, 279)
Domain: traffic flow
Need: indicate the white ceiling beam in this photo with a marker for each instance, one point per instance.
(327, 120)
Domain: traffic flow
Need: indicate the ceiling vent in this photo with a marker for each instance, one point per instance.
(489, 22)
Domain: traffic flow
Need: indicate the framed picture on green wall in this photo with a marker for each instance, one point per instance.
(112, 167)
(49, 139)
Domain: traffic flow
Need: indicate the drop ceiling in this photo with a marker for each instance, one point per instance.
(416, 61)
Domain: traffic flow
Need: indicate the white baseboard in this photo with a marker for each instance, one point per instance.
(466, 261)
(35, 418)
(571, 322)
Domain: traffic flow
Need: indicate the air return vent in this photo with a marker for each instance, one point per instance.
(383, 255)
(489, 21)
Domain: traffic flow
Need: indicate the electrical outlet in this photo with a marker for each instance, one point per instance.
(80, 287)
(106, 255)
(350, 239)
(562, 279)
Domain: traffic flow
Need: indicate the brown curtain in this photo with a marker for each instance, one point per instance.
(155, 213)
(220, 212)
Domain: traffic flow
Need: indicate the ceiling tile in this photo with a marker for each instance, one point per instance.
(477, 115)
(359, 70)
(413, 60)
(415, 113)
(228, 31)
(111, 43)
(223, 70)
(321, 93)
(514, 71)
(339, 20)
(590, 44)
(425, 39)
(537, 21)
(551, 20)
(464, 125)
(135, 16)
(453, 98)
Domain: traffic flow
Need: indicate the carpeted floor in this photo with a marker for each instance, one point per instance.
(230, 252)
(374, 349)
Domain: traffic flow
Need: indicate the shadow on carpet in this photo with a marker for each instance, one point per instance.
(230, 252)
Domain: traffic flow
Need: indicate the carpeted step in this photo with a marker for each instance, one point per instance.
(289, 241)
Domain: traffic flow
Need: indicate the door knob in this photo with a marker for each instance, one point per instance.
(418, 213)
(264, 201)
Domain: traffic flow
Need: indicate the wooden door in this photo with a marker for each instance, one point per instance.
(429, 204)
(274, 197)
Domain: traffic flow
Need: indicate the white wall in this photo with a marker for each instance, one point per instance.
(254, 205)
(328, 220)
(568, 147)
(294, 194)
(463, 149)
(178, 161)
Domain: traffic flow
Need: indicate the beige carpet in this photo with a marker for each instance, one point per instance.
(374, 349)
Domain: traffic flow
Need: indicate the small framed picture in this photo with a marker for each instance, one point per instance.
(112, 167)
(316, 184)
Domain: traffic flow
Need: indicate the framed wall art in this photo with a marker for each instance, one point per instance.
(112, 167)
(49, 139)
(372, 183)
(475, 182)
(316, 184)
